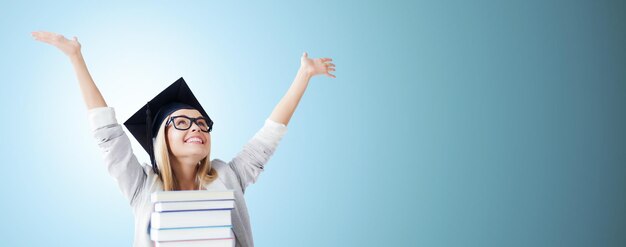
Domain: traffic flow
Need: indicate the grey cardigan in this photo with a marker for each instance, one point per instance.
(137, 181)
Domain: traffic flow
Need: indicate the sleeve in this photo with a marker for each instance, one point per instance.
(118, 155)
(250, 162)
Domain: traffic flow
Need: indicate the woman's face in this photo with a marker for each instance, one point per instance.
(192, 144)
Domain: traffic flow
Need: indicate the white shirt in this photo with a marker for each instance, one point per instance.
(137, 181)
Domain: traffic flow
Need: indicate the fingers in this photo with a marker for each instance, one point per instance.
(324, 59)
(46, 35)
(329, 67)
(43, 36)
(36, 35)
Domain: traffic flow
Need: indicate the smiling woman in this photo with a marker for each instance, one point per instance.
(174, 130)
(188, 143)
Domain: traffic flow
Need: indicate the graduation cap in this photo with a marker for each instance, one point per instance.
(145, 123)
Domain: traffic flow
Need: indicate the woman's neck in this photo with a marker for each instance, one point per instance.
(185, 173)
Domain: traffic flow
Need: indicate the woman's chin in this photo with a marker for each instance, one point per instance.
(192, 155)
(193, 147)
(192, 152)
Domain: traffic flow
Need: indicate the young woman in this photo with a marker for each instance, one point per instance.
(182, 144)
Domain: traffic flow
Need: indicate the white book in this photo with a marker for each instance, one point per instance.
(184, 219)
(193, 205)
(198, 243)
(191, 195)
(196, 233)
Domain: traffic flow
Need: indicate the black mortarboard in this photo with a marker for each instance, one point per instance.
(145, 123)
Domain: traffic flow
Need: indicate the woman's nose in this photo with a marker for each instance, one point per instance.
(195, 127)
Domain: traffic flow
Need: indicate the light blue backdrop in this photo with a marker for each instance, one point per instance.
(450, 123)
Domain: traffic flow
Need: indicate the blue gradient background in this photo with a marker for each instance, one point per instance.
(450, 123)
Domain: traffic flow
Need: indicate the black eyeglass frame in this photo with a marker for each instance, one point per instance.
(209, 122)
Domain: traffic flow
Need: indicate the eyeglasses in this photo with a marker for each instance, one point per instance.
(184, 123)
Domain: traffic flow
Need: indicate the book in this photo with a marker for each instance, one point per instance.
(191, 195)
(198, 243)
(193, 205)
(192, 218)
(196, 233)
(182, 219)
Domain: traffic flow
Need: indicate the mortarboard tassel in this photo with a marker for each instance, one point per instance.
(149, 139)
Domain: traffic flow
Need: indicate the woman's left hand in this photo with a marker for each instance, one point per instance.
(317, 66)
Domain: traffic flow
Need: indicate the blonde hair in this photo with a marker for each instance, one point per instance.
(204, 171)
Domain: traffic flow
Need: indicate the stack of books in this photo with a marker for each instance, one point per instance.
(192, 218)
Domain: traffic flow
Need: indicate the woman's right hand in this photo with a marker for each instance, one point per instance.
(69, 47)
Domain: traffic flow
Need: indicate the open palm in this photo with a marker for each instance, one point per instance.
(69, 47)
(317, 66)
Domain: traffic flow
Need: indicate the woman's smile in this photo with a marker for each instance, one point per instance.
(195, 140)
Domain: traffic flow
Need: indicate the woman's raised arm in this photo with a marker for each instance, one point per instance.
(71, 48)
(308, 68)
(112, 140)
